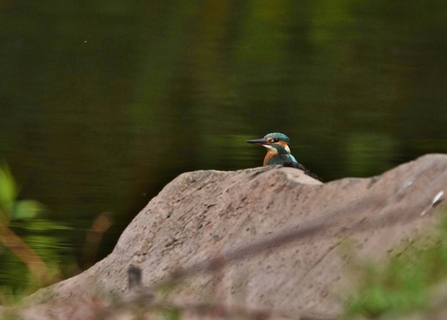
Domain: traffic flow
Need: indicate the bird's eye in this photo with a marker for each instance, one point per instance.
(275, 140)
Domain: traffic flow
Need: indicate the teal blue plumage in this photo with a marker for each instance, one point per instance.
(282, 158)
(278, 136)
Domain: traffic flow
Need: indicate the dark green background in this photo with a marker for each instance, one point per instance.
(104, 102)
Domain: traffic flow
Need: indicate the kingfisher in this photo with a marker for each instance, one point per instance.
(278, 152)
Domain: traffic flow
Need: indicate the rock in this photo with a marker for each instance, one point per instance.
(275, 237)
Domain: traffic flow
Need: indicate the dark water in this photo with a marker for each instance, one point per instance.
(104, 102)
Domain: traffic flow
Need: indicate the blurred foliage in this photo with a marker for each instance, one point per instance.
(405, 282)
(28, 250)
(171, 313)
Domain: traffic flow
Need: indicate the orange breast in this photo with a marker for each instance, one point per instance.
(268, 156)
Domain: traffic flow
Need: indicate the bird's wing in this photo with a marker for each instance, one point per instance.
(292, 162)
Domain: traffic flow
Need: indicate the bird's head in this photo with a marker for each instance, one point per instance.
(271, 140)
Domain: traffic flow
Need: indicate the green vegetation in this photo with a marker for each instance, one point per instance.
(28, 250)
(32, 251)
(405, 283)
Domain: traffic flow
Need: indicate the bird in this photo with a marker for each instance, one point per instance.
(279, 153)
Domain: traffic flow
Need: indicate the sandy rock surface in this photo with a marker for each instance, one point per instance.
(297, 231)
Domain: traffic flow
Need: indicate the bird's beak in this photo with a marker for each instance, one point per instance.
(258, 141)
